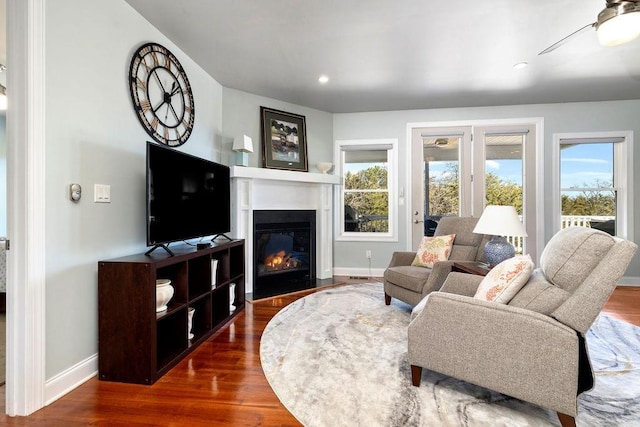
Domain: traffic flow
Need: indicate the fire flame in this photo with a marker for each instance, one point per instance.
(274, 260)
(280, 261)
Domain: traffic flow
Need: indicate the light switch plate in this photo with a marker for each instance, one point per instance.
(102, 193)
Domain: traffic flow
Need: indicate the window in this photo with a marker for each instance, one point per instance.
(593, 189)
(366, 210)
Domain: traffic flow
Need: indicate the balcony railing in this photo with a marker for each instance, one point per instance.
(599, 222)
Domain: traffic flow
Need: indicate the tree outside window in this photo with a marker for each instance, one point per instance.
(366, 192)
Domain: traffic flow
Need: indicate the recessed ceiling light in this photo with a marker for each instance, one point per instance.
(520, 65)
(323, 79)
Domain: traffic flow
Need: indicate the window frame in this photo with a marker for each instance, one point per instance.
(391, 146)
(622, 179)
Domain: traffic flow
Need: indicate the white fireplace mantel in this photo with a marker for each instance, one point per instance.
(260, 188)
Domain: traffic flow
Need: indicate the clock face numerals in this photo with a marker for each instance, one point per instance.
(161, 94)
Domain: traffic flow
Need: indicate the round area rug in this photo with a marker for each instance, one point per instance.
(339, 358)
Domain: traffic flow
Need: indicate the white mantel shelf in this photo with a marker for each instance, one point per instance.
(283, 175)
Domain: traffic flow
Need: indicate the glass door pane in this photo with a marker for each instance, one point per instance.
(441, 179)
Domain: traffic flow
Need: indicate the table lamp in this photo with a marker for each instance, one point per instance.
(499, 221)
(242, 146)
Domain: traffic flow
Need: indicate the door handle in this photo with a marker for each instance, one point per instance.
(417, 221)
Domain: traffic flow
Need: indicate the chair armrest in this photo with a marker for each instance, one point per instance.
(461, 283)
(439, 274)
(402, 258)
(508, 349)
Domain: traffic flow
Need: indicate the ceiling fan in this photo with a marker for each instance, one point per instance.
(617, 23)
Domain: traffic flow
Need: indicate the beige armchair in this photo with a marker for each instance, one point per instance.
(532, 348)
(410, 284)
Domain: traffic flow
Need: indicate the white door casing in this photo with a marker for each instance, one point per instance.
(25, 392)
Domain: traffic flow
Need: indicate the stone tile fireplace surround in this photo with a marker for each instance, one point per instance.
(264, 189)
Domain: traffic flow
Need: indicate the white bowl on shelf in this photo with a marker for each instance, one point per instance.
(324, 167)
(164, 293)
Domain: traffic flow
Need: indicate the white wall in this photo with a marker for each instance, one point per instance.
(569, 117)
(94, 137)
(3, 174)
(241, 116)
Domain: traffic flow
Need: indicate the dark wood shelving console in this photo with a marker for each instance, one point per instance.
(138, 345)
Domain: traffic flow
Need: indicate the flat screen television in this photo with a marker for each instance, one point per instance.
(187, 197)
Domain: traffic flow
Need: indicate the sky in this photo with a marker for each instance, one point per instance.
(581, 165)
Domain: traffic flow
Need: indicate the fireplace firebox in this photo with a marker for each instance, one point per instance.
(284, 251)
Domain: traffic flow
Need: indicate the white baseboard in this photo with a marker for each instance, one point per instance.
(71, 378)
(629, 281)
(358, 272)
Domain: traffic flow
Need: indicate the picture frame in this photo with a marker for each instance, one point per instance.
(284, 140)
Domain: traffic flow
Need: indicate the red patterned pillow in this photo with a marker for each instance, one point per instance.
(433, 249)
(505, 279)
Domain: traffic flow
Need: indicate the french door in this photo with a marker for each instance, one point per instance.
(458, 170)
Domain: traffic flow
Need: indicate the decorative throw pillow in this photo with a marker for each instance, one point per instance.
(505, 279)
(433, 249)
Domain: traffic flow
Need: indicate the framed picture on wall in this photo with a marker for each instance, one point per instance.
(284, 140)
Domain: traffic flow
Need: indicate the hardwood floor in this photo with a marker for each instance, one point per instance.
(624, 304)
(220, 383)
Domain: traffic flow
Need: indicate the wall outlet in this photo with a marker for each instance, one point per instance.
(368, 254)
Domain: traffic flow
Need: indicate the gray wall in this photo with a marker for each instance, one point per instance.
(241, 116)
(94, 137)
(569, 117)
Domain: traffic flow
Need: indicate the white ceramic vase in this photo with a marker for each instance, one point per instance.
(164, 293)
(232, 296)
(214, 273)
(190, 322)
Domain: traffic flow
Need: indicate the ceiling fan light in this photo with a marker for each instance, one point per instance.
(618, 24)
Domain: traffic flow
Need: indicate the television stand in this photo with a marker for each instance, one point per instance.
(163, 246)
(139, 345)
(213, 239)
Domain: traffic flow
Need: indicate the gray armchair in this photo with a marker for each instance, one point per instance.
(532, 348)
(410, 284)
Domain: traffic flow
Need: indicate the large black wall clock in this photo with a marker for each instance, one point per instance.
(161, 94)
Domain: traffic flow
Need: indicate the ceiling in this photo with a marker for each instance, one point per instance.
(409, 54)
(388, 55)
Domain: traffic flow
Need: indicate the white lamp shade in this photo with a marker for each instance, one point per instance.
(619, 29)
(243, 144)
(500, 221)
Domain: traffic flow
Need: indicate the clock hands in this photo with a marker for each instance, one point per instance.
(167, 97)
(155, 74)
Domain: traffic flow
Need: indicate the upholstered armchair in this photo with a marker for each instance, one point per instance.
(410, 283)
(532, 348)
